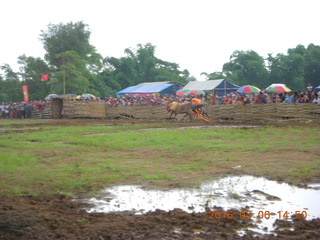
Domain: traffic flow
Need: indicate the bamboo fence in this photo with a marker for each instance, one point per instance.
(252, 113)
(83, 109)
(265, 113)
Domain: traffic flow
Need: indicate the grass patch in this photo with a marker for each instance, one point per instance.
(191, 166)
(152, 177)
(72, 159)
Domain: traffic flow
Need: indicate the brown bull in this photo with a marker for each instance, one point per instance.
(180, 108)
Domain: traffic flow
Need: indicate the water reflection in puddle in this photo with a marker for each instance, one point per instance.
(259, 194)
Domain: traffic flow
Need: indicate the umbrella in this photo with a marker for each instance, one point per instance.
(87, 96)
(182, 92)
(248, 89)
(195, 92)
(50, 96)
(277, 87)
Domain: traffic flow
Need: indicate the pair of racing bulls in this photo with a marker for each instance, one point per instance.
(188, 109)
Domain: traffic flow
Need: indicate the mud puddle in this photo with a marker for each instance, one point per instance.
(262, 200)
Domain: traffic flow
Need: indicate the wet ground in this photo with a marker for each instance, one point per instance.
(261, 200)
(199, 217)
(62, 217)
(58, 217)
(237, 192)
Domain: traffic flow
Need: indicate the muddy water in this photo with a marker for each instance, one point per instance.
(264, 200)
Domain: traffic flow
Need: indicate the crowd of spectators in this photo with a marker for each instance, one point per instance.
(262, 97)
(21, 109)
(28, 110)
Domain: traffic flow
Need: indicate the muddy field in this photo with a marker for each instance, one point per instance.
(61, 217)
(58, 217)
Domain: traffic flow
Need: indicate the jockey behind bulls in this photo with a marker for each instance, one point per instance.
(196, 104)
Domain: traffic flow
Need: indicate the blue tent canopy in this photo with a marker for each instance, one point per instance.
(150, 88)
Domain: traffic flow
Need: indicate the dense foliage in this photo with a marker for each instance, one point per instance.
(74, 66)
(296, 69)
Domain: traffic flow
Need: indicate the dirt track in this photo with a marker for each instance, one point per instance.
(59, 217)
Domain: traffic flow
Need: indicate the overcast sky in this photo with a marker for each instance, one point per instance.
(199, 35)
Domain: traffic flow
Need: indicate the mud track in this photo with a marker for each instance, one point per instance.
(59, 217)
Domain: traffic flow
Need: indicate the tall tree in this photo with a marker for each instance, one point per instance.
(69, 37)
(4, 97)
(296, 68)
(31, 69)
(112, 85)
(277, 68)
(11, 86)
(73, 75)
(74, 60)
(146, 62)
(312, 67)
(141, 65)
(214, 75)
(246, 68)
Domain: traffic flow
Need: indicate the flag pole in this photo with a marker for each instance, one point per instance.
(64, 82)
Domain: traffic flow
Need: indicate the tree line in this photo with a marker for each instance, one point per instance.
(74, 66)
(297, 68)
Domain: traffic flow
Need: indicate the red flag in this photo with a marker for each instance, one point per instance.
(44, 77)
(25, 93)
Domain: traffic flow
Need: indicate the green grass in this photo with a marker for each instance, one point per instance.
(191, 166)
(73, 159)
(156, 177)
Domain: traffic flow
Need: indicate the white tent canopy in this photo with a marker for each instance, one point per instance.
(220, 86)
